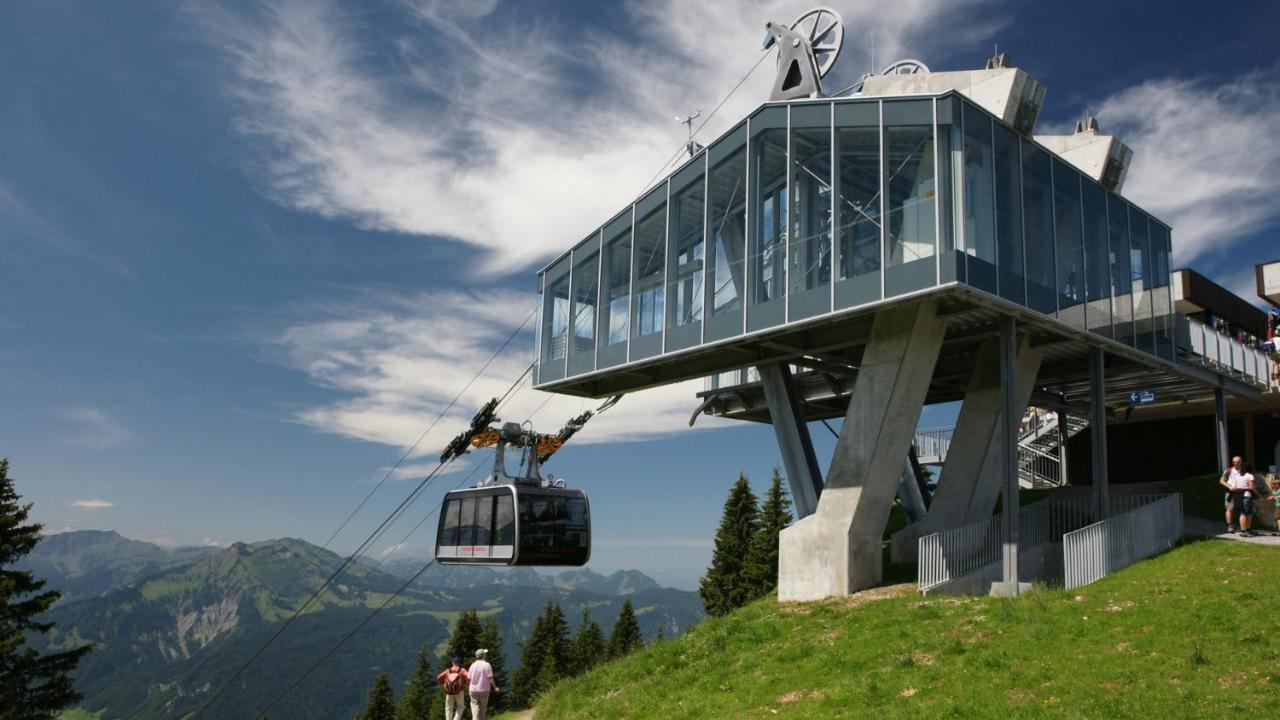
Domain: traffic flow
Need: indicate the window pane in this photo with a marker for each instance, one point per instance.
(684, 291)
(1140, 271)
(1008, 176)
(1037, 209)
(859, 208)
(586, 284)
(467, 522)
(1121, 278)
(1070, 243)
(1097, 264)
(449, 529)
(647, 297)
(810, 268)
(617, 278)
(727, 215)
(484, 519)
(555, 318)
(909, 168)
(504, 521)
(979, 200)
(767, 261)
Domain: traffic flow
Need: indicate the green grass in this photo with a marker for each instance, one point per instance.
(1189, 634)
(79, 714)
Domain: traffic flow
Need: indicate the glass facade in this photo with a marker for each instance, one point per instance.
(809, 208)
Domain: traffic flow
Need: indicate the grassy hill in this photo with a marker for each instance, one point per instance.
(1192, 633)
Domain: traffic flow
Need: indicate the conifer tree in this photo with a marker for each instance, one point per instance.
(491, 639)
(382, 701)
(547, 640)
(466, 638)
(728, 584)
(626, 635)
(775, 515)
(420, 690)
(31, 685)
(588, 646)
(548, 675)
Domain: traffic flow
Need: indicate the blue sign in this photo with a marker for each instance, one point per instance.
(1144, 397)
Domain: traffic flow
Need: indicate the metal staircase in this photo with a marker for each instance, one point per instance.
(1041, 448)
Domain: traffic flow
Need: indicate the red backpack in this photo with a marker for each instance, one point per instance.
(454, 686)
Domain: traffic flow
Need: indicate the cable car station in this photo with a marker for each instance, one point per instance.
(911, 240)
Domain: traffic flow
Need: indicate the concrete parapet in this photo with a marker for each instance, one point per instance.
(836, 551)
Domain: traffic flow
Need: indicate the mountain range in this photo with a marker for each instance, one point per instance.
(172, 626)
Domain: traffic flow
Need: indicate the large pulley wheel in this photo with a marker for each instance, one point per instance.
(824, 29)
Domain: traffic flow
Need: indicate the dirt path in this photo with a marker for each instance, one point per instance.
(1203, 527)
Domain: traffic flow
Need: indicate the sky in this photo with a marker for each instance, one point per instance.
(249, 251)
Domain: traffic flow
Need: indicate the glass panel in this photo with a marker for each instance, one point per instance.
(810, 270)
(449, 528)
(979, 200)
(1121, 282)
(767, 258)
(617, 286)
(951, 264)
(1008, 175)
(504, 521)
(1162, 292)
(646, 292)
(1037, 210)
(1097, 264)
(1070, 244)
(684, 276)
(859, 213)
(909, 179)
(555, 322)
(586, 285)
(484, 519)
(554, 530)
(727, 218)
(467, 521)
(1140, 272)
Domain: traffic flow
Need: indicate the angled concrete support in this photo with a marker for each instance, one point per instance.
(909, 490)
(798, 457)
(971, 480)
(836, 551)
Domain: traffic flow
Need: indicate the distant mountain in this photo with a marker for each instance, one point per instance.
(622, 582)
(167, 641)
(86, 563)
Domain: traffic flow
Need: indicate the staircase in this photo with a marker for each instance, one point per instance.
(1040, 450)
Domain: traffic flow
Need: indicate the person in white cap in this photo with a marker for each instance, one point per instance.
(481, 673)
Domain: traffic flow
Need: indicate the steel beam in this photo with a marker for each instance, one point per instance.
(1220, 426)
(1098, 430)
(798, 457)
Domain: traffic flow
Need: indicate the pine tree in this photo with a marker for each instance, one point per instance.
(727, 585)
(547, 640)
(626, 635)
(419, 691)
(775, 515)
(588, 646)
(548, 674)
(31, 685)
(382, 702)
(491, 639)
(465, 639)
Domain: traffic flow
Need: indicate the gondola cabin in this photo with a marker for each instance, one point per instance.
(514, 524)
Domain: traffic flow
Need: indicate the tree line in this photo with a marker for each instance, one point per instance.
(744, 564)
(549, 655)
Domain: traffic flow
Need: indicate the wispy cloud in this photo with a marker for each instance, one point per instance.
(396, 367)
(513, 136)
(1205, 157)
(95, 430)
(93, 504)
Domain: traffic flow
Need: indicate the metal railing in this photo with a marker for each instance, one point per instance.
(934, 442)
(952, 554)
(1095, 551)
(1224, 353)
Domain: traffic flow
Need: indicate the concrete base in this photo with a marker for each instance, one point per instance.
(837, 550)
(1004, 589)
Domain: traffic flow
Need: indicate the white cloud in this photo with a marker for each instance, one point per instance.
(513, 136)
(93, 504)
(95, 430)
(397, 362)
(1205, 159)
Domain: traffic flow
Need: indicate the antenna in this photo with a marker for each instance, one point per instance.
(690, 145)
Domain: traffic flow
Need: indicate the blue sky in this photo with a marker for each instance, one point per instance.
(247, 251)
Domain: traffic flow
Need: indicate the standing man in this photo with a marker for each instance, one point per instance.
(481, 673)
(452, 681)
(1239, 497)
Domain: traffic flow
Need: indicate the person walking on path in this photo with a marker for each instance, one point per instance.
(481, 674)
(453, 681)
(1239, 497)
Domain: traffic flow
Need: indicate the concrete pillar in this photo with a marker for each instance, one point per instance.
(1220, 426)
(971, 478)
(1063, 477)
(909, 490)
(794, 441)
(836, 551)
(1008, 431)
(1098, 430)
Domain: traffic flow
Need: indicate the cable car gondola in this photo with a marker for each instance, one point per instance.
(521, 519)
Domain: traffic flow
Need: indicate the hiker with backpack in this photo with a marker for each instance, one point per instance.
(453, 681)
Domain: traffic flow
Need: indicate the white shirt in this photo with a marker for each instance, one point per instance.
(1241, 481)
(481, 674)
